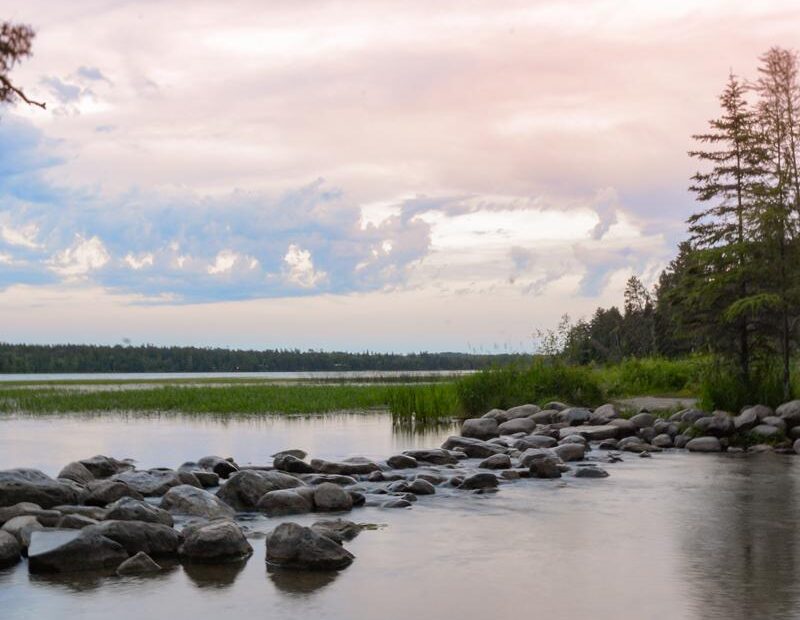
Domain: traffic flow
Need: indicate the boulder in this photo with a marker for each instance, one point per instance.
(473, 448)
(570, 452)
(590, 472)
(533, 454)
(348, 467)
(704, 444)
(130, 509)
(796, 446)
(779, 423)
(189, 500)
(516, 413)
(338, 530)
(222, 467)
(690, 416)
(479, 481)
(293, 546)
(546, 467)
(626, 428)
(244, 488)
(436, 456)
(342, 481)
(218, 541)
(591, 432)
(104, 492)
(65, 551)
(26, 508)
(285, 502)
(574, 416)
(401, 461)
(330, 497)
(104, 466)
(10, 549)
(546, 416)
(295, 452)
(643, 420)
(662, 441)
(766, 431)
(155, 539)
(75, 522)
(420, 486)
(153, 483)
(396, 503)
(717, 425)
(534, 441)
(603, 414)
(517, 425)
(290, 463)
(139, 564)
(93, 512)
(480, 428)
(206, 478)
(21, 528)
(32, 485)
(746, 420)
(77, 472)
(790, 413)
(496, 461)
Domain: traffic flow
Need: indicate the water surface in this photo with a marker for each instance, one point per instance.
(677, 536)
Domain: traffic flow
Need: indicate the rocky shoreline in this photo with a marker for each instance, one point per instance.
(102, 514)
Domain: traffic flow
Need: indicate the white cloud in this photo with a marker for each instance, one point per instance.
(139, 262)
(82, 257)
(300, 268)
(24, 236)
(223, 263)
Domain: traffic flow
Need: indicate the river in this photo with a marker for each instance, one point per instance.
(677, 536)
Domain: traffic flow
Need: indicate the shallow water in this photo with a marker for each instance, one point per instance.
(677, 536)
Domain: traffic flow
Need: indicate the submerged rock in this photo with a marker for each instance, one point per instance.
(63, 551)
(139, 564)
(590, 471)
(337, 530)
(293, 546)
(329, 497)
(479, 481)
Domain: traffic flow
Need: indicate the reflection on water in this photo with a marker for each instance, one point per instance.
(674, 537)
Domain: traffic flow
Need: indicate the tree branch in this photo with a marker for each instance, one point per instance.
(9, 86)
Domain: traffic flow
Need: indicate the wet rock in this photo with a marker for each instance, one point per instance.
(21, 528)
(222, 467)
(662, 441)
(432, 478)
(93, 512)
(570, 452)
(338, 530)
(591, 432)
(401, 461)
(473, 448)
(292, 464)
(64, 551)
(396, 503)
(77, 472)
(626, 428)
(681, 441)
(293, 546)
(766, 431)
(704, 444)
(479, 481)
(574, 416)
(189, 500)
(207, 479)
(496, 461)
(285, 502)
(574, 438)
(75, 522)
(533, 454)
(590, 472)
(436, 456)
(104, 466)
(643, 420)
(790, 413)
(104, 492)
(32, 485)
(153, 482)
(608, 444)
(348, 467)
(243, 490)
(139, 564)
(517, 425)
(480, 428)
(218, 541)
(10, 549)
(330, 497)
(546, 467)
(317, 479)
(647, 434)
(130, 509)
(45, 517)
(155, 539)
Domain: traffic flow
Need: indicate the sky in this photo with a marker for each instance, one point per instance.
(353, 175)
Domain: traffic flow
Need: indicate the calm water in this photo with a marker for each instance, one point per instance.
(677, 536)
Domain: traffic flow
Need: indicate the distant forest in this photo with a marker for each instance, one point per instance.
(70, 358)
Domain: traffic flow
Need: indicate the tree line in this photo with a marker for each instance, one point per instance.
(70, 358)
(734, 287)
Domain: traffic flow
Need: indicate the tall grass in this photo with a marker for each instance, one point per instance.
(654, 376)
(722, 387)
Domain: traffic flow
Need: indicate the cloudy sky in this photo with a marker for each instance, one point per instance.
(352, 175)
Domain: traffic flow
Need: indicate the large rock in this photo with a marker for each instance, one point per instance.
(518, 412)
(104, 466)
(104, 492)
(574, 416)
(206, 478)
(555, 405)
(690, 416)
(293, 546)
(215, 542)
(330, 497)
(153, 482)
(546, 416)
(436, 456)
(139, 564)
(155, 539)
(75, 522)
(27, 509)
(64, 551)
(222, 467)
(790, 413)
(22, 527)
(604, 413)
(626, 428)
(496, 461)
(746, 420)
(775, 421)
(479, 481)
(473, 448)
(401, 461)
(349, 467)
(338, 530)
(796, 446)
(591, 472)
(292, 464)
(32, 485)
(517, 425)
(533, 454)
(244, 488)
(704, 444)
(591, 432)
(545, 467)
(129, 509)
(643, 420)
(534, 441)
(77, 472)
(189, 500)
(766, 431)
(10, 549)
(662, 441)
(285, 502)
(570, 451)
(717, 425)
(480, 428)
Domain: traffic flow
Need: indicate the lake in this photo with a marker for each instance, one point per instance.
(677, 536)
